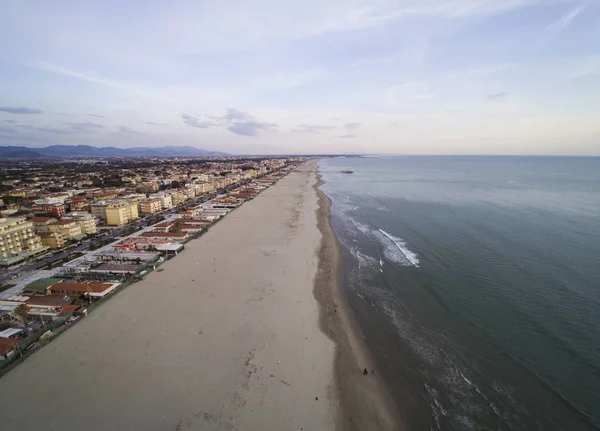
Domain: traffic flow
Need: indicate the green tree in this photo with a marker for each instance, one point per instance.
(21, 312)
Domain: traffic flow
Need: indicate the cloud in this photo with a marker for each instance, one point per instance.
(251, 128)
(10, 121)
(193, 121)
(129, 130)
(85, 125)
(563, 23)
(154, 123)
(496, 96)
(96, 79)
(242, 123)
(233, 114)
(312, 128)
(351, 126)
(96, 115)
(347, 136)
(20, 110)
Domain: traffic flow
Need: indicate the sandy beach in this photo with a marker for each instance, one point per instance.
(228, 337)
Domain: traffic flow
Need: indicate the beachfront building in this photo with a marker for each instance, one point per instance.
(150, 205)
(98, 210)
(17, 235)
(86, 222)
(69, 228)
(42, 224)
(178, 197)
(165, 200)
(52, 239)
(121, 212)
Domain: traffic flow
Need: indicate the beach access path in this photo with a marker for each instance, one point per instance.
(225, 338)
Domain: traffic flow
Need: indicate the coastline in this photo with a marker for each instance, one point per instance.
(364, 401)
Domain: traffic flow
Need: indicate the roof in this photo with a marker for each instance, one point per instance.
(116, 267)
(43, 283)
(7, 345)
(164, 234)
(49, 300)
(63, 222)
(41, 219)
(48, 234)
(9, 332)
(81, 287)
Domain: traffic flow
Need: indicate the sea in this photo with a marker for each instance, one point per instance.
(476, 284)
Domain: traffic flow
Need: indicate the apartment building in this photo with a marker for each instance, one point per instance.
(165, 200)
(86, 222)
(147, 187)
(69, 228)
(52, 239)
(17, 235)
(150, 206)
(98, 210)
(178, 197)
(119, 213)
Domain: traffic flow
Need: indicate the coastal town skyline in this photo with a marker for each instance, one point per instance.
(408, 77)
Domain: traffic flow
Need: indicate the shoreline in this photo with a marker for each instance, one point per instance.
(364, 401)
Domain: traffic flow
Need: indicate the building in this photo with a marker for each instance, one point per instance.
(52, 239)
(42, 224)
(69, 228)
(57, 210)
(78, 203)
(98, 210)
(17, 235)
(147, 187)
(86, 222)
(119, 213)
(95, 290)
(178, 197)
(150, 205)
(165, 200)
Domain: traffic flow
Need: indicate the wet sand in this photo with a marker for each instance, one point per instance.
(228, 337)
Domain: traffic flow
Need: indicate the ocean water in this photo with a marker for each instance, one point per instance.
(476, 283)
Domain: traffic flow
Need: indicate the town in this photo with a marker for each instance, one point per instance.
(75, 232)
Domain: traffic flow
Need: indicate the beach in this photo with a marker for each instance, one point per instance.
(228, 336)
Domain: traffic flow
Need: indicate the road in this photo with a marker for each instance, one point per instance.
(6, 275)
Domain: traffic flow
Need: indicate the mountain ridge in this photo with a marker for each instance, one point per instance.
(62, 151)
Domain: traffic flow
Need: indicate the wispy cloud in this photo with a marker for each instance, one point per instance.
(496, 96)
(10, 121)
(96, 115)
(154, 123)
(96, 79)
(312, 128)
(193, 121)
(351, 126)
(128, 130)
(20, 110)
(251, 128)
(85, 125)
(565, 21)
(235, 121)
(347, 136)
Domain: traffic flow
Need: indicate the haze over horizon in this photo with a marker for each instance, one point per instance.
(383, 76)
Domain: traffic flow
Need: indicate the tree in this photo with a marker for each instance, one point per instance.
(21, 312)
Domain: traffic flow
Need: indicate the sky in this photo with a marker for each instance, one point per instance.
(316, 76)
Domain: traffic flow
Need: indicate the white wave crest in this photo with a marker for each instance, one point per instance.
(406, 255)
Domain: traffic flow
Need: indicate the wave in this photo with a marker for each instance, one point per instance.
(408, 254)
(395, 249)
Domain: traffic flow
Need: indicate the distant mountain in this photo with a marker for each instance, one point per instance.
(62, 151)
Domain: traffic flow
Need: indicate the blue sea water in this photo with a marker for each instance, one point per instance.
(476, 283)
